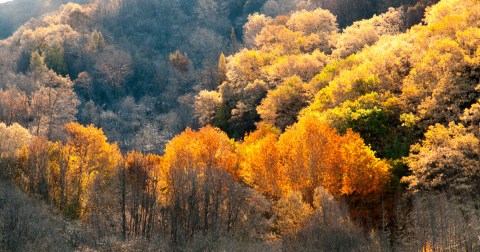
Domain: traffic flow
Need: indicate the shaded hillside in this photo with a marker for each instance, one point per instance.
(29, 224)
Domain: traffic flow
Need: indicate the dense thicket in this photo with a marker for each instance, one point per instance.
(28, 224)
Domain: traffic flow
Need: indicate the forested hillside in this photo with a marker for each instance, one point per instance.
(129, 79)
(245, 125)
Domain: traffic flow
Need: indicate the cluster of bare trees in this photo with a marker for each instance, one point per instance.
(45, 106)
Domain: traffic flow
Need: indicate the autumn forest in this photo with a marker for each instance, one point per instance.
(240, 125)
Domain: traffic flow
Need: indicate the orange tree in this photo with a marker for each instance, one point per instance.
(312, 154)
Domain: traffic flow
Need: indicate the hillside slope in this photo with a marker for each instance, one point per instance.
(305, 137)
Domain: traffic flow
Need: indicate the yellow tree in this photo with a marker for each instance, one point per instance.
(200, 165)
(318, 22)
(309, 156)
(206, 106)
(12, 140)
(92, 163)
(256, 22)
(281, 106)
(222, 69)
(447, 160)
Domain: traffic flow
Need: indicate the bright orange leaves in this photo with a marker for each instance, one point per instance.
(314, 155)
(259, 161)
(310, 154)
(207, 148)
(363, 173)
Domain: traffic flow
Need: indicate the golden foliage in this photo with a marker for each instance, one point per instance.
(259, 161)
(197, 150)
(92, 162)
(314, 155)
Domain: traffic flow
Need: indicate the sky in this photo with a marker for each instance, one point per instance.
(4, 1)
